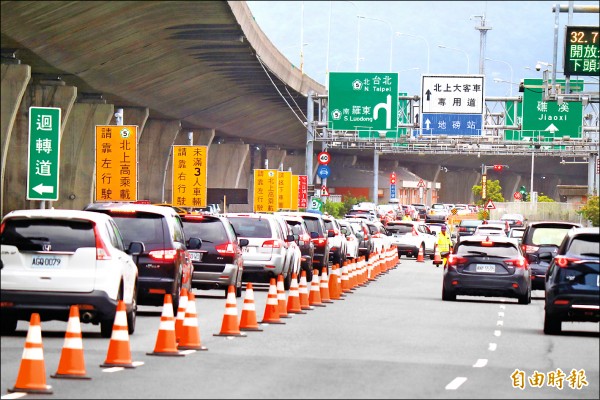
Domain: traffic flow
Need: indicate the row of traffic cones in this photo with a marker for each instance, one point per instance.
(181, 332)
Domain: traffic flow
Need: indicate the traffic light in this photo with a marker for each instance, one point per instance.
(393, 178)
(498, 167)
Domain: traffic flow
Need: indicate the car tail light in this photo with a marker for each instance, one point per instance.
(273, 243)
(320, 241)
(487, 242)
(462, 229)
(455, 260)
(225, 249)
(163, 255)
(517, 262)
(527, 248)
(563, 261)
(560, 302)
(1, 229)
(193, 217)
(102, 252)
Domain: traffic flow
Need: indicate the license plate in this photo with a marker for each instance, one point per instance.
(196, 256)
(489, 268)
(46, 261)
(247, 249)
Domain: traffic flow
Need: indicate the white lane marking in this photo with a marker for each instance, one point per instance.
(500, 323)
(482, 362)
(15, 395)
(186, 352)
(456, 383)
(502, 307)
(501, 313)
(113, 369)
(492, 347)
(137, 363)
(497, 333)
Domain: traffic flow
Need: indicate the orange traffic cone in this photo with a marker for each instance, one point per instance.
(346, 280)
(314, 297)
(420, 256)
(334, 284)
(32, 372)
(281, 300)
(119, 352)
(230, 325)
(271, 315)
(190, 333)
(293, 301)
(324, 287)
(248, 317)
(437, 258)
(72, 364)
(303, 293)
(166, 342)
(180, 318)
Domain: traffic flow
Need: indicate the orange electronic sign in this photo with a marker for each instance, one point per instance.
(116, 163)
(284, 190)
(265, 190)
(302, 191)
(189, 176)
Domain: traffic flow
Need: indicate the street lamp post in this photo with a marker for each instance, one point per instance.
(511, 71)
(391, 35)
(499, 80)
(420, 37)
(454, 48)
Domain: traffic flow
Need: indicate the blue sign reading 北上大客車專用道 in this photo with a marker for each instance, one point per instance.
(451, 124)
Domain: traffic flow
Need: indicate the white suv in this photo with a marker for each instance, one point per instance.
(268, 253)
(410, 236)
(53, 259)
(337, 241)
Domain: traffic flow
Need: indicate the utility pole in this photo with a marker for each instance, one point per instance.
(483, 31)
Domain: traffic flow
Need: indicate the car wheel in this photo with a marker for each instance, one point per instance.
(432, 255)
(106, 327)
(448, 295)
(9, 325)
(132, 313)
(309, 275)
(552, 325)
(175, 296)
(526, 298)
(238, 290)
(287, 280)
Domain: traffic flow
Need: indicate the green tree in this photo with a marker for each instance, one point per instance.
(494, 192)
(542, 198)
(338, 210)
(590, 210)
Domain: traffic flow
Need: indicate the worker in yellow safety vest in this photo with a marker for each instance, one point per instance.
(444, 244)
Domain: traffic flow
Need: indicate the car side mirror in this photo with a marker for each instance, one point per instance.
(135, 248)
(314, 235)
(330, 234)
(545, 256)
(194, 243)
(290, 238)
(243, 242)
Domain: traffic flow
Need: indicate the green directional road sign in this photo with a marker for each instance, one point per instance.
(44, 153)
(363, 102)
(548, 118)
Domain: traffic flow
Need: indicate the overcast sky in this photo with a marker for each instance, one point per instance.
(522, 33)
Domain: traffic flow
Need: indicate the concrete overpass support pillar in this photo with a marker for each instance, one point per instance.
(276, 158)
(134, 116)
(456, 186)
(15, 167)
(510, 184)
(15, 78)
(77, 154)
(204, 137)
(155, 159)
(228, 166)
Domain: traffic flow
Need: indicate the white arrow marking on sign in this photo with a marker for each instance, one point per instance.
(427, 123)
(552, 128)
(41, 189)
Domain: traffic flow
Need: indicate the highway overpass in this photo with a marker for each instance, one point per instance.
(190, 72)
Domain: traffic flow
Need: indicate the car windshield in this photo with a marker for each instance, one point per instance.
(209, 231)
(140, 227)
(399, 228)
(498, 249)
(553, 236)
(584, 245)
(48, 235)
(313, 225)
(251, 227)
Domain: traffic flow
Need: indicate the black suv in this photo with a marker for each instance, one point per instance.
(164, 265)
(540, 243)
(572, 290)
(218, 262)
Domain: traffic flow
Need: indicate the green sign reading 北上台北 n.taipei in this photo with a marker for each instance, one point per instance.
(363, 102)
(44, 153)
(547, 119)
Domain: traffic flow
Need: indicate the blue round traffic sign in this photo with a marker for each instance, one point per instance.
(323, 171)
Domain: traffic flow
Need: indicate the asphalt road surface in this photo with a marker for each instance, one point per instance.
(394, 338)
